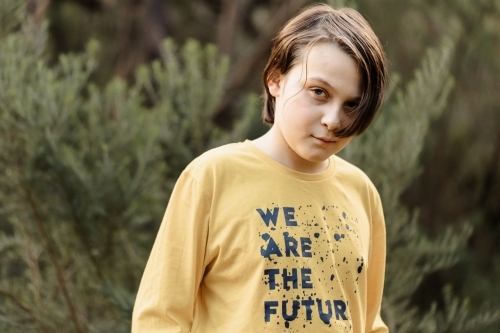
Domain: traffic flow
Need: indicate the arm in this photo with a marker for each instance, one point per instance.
(376, 271)
(169, 287)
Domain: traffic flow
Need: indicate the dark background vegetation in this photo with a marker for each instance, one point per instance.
(459, 179)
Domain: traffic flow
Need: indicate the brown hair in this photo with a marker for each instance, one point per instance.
(350, 31)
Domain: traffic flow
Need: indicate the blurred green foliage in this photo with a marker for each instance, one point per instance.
(92, 139)
(86, 176)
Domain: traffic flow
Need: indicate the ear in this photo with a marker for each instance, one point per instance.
(274, 85)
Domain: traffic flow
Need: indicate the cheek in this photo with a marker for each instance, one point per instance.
(344, 142)
(299, 115)
(297, 122)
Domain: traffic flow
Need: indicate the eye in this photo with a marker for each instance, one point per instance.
(351, 105)
(319, 92)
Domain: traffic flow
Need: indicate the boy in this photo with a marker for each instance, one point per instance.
(278, 234)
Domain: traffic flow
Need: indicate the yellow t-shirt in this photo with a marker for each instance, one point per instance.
(249, 245)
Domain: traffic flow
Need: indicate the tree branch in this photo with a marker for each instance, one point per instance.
(14, 299)
(258, 49)
(228, 24)
(246, 66)
(37, 9)
(53, 257)
(31, 260)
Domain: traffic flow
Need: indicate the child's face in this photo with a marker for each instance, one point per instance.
(310, 104)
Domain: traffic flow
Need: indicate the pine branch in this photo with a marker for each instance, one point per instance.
(32, 261)
(245, 66)
(53, 257)
(23, 306)
(38, 9)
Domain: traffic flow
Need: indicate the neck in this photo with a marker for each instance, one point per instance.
(276, 147)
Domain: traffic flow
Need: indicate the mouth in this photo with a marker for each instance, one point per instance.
(324, 141)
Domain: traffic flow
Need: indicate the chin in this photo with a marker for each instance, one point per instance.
(321, 155)
(316, 158)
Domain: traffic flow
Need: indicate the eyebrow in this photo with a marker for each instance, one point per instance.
(320, 80)
(357, 98)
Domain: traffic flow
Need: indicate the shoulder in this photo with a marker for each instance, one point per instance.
(214, 166)
(220, 157)
(221, 162)
(347, 170)
(219, 154)
(356, 178)
(360, 185)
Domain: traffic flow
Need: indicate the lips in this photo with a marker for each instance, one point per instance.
(326, 141)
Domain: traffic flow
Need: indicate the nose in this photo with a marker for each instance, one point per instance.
(332, 117)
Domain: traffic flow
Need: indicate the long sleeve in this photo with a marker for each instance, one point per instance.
(376, 271)
(168, 291)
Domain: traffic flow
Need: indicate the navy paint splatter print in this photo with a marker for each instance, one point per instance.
(314, 262)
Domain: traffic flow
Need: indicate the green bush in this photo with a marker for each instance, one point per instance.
(87, 172)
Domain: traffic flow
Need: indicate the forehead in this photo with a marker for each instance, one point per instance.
(326, 61)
